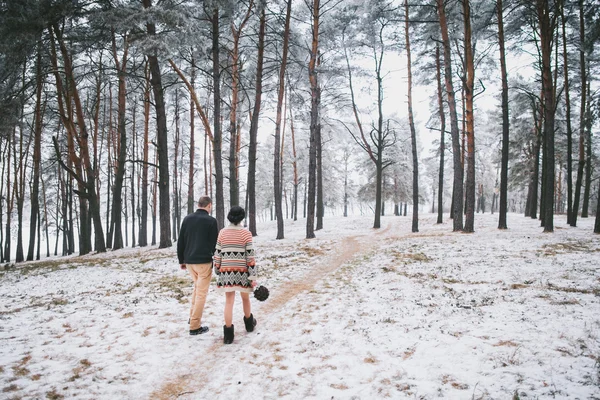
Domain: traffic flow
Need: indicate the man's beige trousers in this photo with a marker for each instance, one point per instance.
(201, 275)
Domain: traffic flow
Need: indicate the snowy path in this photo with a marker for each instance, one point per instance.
(355, 314)
(276, 316)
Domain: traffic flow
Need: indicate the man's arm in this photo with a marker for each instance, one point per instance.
(214, 234)
(181, 244)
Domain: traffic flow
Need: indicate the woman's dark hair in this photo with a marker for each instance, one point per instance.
(236, 215)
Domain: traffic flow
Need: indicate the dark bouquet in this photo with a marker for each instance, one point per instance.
(261, 293)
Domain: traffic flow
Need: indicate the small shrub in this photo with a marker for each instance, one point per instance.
(54, 395)
(20, 371)
(10, 388)
(59, 301)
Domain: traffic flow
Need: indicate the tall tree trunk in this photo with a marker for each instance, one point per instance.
(470, 121)
(532, 197)
(277, 180)
(314, 120)
(597, 221)
(217, 134)
(176, 180)
(294, 162)
(457, 211)
(546, 29)
(379, 141)
(568, 118)
(411, 121)
(45, 202)
(234, 134)
(442, 114)
(163, 155)
(502, 218)
(62, 196)
(320, 201)
(143, 235)
(21, 172)
(117, 202)
(154, 199)
(346, 173)
(162, 142)
(37, 155)
(251, 185)
(109, 159)
(588, 158)
(9, 200)
(4, 151)
(191, 171)
(133, 181)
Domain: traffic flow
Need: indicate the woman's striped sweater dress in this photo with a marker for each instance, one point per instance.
(234, 260)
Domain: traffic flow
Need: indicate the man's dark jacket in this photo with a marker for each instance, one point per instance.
(197, 238)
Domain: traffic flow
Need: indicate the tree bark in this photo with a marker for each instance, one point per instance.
(117, 202)
(568, 118)
(162, 142)
(588, 157)
(4, 152)
(217, 134)
(37, 155)
(546, 29)
(143, 235)
(234, 134)
(457, 210)
(9, 200)
(597, 221)
(411, 121)
(251, 185)
(320, 202)
(176, 175)
(191, 171)
(469, 87)
(277, 180)
(133, 180)
(442, 114)
(502, 211)
(314, 121)
(294, 163)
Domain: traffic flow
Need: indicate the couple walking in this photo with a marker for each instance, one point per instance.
(201, 247)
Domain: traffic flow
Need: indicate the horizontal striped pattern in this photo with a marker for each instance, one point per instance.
(234, 259)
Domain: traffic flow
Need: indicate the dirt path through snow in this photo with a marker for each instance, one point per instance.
(197, 373)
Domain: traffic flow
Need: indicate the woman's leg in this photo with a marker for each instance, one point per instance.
(246, 304)
(229, 300)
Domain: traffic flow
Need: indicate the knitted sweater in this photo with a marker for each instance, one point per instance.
(197, 238)
(234, 252)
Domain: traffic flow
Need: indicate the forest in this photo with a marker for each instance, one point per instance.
(116, 115)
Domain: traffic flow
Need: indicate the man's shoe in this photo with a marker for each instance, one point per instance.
(199, 331)
(250, 323)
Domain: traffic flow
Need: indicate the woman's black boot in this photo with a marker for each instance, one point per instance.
(228, 334)
(250, 323)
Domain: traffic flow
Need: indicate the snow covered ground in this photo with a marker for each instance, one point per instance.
(355, 314)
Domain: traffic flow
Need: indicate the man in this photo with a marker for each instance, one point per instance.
(195, 248)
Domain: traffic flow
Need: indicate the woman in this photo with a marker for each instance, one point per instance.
(236, 270)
